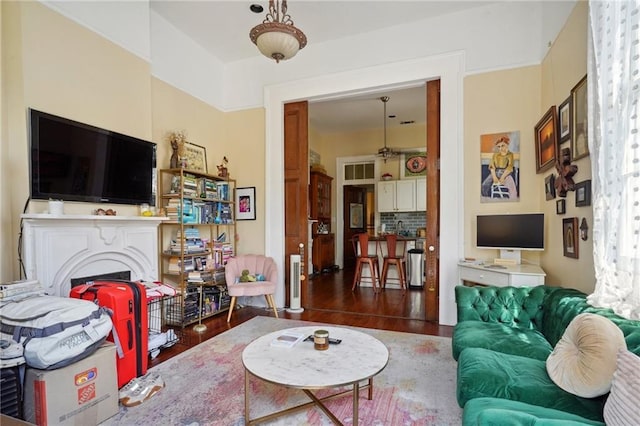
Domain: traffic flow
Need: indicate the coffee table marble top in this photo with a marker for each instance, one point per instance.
(359, 357)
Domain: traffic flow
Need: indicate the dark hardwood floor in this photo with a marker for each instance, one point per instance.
(330, 300)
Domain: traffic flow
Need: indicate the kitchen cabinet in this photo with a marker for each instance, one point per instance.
(396, 196)
(421, 195)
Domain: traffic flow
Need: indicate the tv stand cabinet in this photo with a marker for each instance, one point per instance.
(523, 275)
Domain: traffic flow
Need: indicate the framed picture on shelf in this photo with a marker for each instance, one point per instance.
(246, 203)
(413, 164)
(583, 193)
(579, 138)
(195, 157)
(570, 237)
(549, 187)
(546, 141)
(565, 120)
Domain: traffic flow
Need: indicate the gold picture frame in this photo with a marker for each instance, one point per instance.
(195, 157)
(570, 234)
(579, 133)
(546, 141)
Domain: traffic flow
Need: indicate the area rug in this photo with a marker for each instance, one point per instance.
(205, 385)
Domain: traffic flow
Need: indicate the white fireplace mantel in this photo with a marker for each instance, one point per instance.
(56, 249)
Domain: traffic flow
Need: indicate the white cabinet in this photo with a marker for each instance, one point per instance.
(408, 195)
(396, 196)
(421, 195)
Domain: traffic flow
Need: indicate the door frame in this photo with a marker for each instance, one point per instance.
(450, 69)
(340, 183)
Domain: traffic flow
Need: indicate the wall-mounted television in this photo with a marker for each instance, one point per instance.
(510, 232)
(73, 161)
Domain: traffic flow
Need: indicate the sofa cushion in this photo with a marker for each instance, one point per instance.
(623, 404)
(584, 359)
(501, 338)
(486, 373)
(496, 411)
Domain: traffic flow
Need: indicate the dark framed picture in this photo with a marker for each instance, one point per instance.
(565, 120)
(246, 203)
(546, 141)
(583, 193)
(549, 187)
(579, 136)
(570, 237)
(356, 215)
(561, 207)
(195, 157)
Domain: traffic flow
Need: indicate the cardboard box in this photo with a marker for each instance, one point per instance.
(83, 393)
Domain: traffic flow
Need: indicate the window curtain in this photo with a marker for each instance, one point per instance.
(614, 141)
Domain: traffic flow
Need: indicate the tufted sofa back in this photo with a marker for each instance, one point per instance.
(514, 306)
(546, 309)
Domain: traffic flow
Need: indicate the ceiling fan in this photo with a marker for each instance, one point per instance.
(386, 152)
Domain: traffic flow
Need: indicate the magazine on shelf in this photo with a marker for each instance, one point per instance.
(287, 339)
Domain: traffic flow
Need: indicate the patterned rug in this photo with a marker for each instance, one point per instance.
(205, 385)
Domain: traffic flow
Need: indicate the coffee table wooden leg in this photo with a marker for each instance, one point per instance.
(370, 396)
(356, 397)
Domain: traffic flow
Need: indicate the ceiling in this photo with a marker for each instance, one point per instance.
(222, 28)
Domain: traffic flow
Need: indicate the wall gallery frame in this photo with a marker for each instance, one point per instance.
(570, 237)
(583, 193)
(579, 138)
(246, 203)
(565, 120)
(561, 207)
(546, 141)
(195, 157)
(550, 187)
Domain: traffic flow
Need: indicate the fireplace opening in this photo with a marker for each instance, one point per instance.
(119, 275)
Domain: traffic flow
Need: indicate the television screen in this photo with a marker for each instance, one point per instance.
(511, 231)
(73, 161)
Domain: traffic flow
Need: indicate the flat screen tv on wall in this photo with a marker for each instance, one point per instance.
(72, 161)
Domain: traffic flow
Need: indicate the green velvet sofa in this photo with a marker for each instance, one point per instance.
(501, 342)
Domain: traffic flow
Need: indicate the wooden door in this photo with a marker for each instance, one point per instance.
(432, 246)
(352, 195)
(296, 186)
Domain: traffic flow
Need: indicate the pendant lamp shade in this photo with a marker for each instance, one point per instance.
(277, 38)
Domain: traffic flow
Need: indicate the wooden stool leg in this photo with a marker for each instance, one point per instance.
(231, 306)
(403, 282)
(385, 271)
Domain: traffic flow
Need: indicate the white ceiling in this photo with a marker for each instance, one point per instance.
(222, 28)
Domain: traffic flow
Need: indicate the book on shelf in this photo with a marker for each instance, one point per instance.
(287, 339)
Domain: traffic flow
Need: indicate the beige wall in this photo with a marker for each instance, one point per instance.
(62, 68)
(495, 102)
(563, 67)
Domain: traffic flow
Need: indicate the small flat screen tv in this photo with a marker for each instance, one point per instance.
(510, 232)
(73, 161)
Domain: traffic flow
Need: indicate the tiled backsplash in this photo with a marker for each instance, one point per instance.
(411, 221)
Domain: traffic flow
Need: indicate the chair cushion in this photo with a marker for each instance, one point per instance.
(623, 404)
(584, 359)
(255, 288)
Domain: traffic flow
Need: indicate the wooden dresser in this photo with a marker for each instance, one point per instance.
(323, 254)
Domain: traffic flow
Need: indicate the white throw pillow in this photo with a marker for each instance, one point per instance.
(583, 361)
(623, 404)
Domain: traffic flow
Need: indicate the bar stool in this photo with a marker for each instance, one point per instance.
(364, 258)
(394, 259)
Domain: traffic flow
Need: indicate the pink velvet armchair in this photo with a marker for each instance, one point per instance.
(255, 264)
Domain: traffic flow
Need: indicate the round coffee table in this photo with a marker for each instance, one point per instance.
(357, 358)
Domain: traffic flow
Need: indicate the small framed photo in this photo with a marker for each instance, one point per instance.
(583, 193)
(546, 141)
(549, 187)
(356, 215)
(561, 207)
(579, 139)
(565, 120)
(570, 237)
(195, 157)
(246, 203)
(413, 164)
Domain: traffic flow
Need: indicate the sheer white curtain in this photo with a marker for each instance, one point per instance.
(614, 142)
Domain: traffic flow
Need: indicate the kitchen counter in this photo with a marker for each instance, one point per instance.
(400, 238)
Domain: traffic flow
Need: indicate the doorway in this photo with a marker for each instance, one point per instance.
(450, 69)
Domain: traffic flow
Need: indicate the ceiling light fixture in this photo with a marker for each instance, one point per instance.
(277, 37)
(386, 152)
